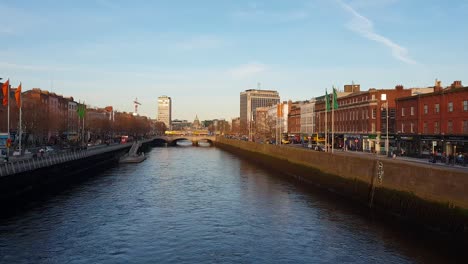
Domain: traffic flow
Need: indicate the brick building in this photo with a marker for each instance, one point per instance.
(294, 120)
(436, 121)
(360, 122)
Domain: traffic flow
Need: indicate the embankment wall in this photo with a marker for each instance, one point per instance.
(435, 197)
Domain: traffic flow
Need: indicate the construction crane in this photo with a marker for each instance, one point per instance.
(136, 105)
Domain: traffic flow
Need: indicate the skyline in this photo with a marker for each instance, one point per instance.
(204, 54)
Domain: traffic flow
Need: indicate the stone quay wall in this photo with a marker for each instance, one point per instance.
(432, 196)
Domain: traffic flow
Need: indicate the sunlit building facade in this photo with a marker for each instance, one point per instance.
(250, 100)
(165, 111)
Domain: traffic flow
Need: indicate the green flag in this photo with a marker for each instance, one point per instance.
(327, 101)
(81, 110)
(335, 99)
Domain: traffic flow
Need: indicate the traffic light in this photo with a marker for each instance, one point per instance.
(8, 143)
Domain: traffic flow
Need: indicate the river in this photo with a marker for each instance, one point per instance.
(201, 205)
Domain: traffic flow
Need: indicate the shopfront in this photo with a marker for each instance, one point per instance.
(408, 145)
(431, 144)
(353, 142)
(456, 145)
(369, 142)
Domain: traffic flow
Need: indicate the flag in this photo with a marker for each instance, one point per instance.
(18, 96)
(81, 110)
(5, 92)
(335, 99)
(279, 110)
(327, 101)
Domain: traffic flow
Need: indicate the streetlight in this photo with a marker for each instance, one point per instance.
(383, 97)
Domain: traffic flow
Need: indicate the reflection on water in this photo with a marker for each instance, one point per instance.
(199, 205)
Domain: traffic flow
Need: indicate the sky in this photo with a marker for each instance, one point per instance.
(204, 53)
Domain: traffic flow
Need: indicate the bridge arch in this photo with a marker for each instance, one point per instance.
(172, 140)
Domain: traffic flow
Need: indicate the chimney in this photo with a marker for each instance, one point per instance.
(352, 88)
(399, 87)
(456, 84)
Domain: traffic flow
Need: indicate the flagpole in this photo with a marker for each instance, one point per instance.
(8, 118)
(18, 98)
(326, 120)
(333, 119)
(326, 128)
(20, 126)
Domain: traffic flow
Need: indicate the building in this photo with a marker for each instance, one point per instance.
(360, 121)
(308, 118)
(249, 101)
(294, 120)
(235, 125)
(165, 111)
(181, 125)
(434, 122)
(196, 123)
(263, 123)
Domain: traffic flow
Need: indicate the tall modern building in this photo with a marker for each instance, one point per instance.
(165, 111)
(250, 100)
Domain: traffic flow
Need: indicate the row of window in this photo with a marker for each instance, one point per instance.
(437, 108)
(411, 127)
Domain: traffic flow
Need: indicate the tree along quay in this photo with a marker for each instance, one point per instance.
(432, 198)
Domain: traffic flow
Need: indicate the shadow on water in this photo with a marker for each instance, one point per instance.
(413, 240)
(37, 197)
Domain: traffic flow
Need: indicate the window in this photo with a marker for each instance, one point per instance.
(436, 108)
(425, 128)
(402, 128)
(465, 126)
(412, 127)
(425, 109)
(450, 106)
(450, 127)
(373, 127)
(436, 127)
(412, 110)
(465, 105)
(374, 113)
(402, 111)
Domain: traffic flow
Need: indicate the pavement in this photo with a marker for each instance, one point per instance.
(398, 158)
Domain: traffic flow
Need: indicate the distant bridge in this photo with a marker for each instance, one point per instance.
(172, 140)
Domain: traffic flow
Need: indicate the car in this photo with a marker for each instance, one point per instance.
(49, 149)
(285, 141)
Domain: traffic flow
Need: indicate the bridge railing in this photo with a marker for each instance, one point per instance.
(19, 166)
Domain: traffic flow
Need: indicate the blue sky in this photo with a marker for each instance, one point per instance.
(204, 53)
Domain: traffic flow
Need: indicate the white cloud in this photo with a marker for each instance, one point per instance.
(365, 28)
(247, 70)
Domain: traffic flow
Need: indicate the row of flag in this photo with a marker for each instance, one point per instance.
(327, 100)
(5, 91)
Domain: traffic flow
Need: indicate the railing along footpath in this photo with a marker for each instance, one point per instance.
(20, 166)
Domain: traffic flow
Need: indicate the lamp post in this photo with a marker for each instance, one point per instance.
(383, 97)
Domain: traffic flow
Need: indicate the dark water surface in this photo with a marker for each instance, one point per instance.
(200, 205)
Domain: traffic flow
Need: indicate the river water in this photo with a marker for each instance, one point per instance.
(201, 205)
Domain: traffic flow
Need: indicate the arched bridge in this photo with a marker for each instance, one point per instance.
(172, 140)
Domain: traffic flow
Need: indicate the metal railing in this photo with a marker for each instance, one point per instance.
(19, 166)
